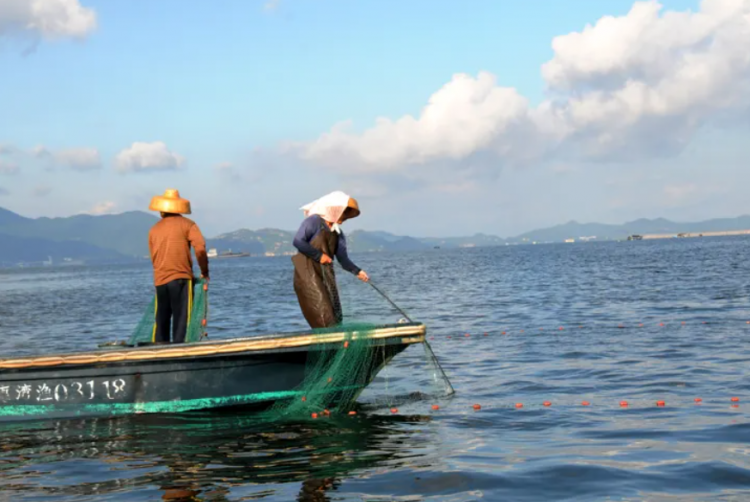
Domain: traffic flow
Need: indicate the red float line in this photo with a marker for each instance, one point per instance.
(549, 404)
(622, 404)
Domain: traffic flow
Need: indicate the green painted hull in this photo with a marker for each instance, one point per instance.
(248, 379)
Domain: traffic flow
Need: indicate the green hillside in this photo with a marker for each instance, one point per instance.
(125, 236)
(125, 233)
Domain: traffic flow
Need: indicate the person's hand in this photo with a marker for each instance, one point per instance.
(325, 259)
(362, 276)
(205, 284)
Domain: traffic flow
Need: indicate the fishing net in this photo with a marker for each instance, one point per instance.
(144, 331)
(335, 373)
(336, 376)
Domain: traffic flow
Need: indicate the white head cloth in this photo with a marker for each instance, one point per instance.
(329, 207)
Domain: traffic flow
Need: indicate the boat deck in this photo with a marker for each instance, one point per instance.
(407, 333)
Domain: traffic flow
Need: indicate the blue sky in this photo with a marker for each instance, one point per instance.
(225, 88)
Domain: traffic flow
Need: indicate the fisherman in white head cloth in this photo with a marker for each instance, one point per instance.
(318, 240)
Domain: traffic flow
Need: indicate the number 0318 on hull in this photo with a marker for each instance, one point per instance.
(245, 372)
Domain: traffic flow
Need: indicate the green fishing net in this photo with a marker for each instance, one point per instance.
(335, 373)
(144, 331)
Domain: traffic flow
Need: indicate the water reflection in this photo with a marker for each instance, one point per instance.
(197, 456)
(562, 452)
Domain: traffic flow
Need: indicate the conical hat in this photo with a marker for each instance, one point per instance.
(170, 202)
(352, 209)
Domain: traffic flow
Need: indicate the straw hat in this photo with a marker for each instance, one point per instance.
(170, 202)
(352, 209)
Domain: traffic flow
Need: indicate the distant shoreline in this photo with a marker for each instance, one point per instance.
(122, 237)
(683, 235)
(137, 261)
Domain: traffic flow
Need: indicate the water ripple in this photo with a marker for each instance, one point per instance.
(641, 322)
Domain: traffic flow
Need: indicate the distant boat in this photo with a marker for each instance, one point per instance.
(230, 254)
(213, 253)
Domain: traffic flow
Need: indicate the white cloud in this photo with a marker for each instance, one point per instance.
(7, 149)
(271, 5)
(465, 116)
(240, 174)
(102, 208)
(80, 159)
(676, 194)
(629, 87)
(564, 169)
(9, 168)
(227, 171)
(49, 19)
(41, 191)
(610, 53)
(145, 157)
(40, 152)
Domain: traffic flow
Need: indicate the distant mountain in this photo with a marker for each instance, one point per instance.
(9, 217)
(125, 236)
(361, 241)
(574, 230)
(33, 250)
(276, 241)
(126, 233)
(257, 242)
(601, 231)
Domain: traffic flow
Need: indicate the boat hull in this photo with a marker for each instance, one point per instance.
(148, 380)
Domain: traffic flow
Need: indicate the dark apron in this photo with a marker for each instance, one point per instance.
(315, 284)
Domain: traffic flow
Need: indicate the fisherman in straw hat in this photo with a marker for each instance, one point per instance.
(318, 240)
(169, 242)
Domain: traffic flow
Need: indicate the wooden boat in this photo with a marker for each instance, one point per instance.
(241, 372)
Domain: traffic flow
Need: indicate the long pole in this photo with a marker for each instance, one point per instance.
(426, 343)
(390, 301)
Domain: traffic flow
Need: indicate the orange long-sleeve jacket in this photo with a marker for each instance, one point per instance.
(169, 242)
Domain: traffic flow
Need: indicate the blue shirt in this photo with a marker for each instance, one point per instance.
(311, 226)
